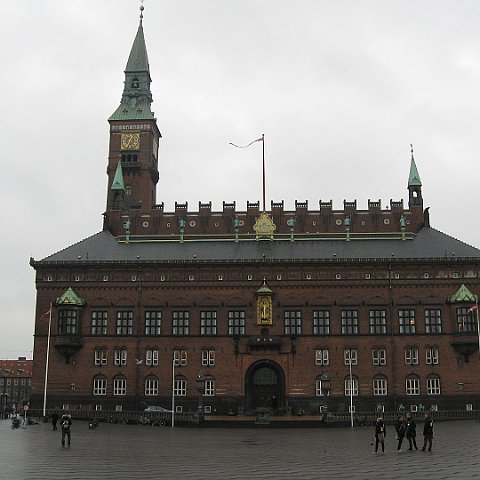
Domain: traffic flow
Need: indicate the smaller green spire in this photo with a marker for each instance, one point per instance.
(265, 289)
(414, 177)
(118, 183)
(70, 298)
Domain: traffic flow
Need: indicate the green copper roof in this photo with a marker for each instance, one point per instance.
(414, 178)
(70, 298)
(462, 295)
(265, 289)
(137, 96)
(117, 183)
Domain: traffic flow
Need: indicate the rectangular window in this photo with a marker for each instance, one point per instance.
(411, 356)
(378, 322)
(209, 387)
(99, 323)
(236, 322)
(151, 387)
(350, 355)
(321, 322)
(151, 357)
(153, 323)
(180, 389)
(119, 386)
(67, 322)
(100, 386)
(120, 357)
(293, 322)
(100, 356)
(180, 323)
(431, 356)
(180, 358)
(379, 356)
(380, 386)
(208, 358)
(125, 322)
(321, 357)
(412, 386)
(208, 323)
(406, 321)
(433, 321)
(466, 320)
(349, 322)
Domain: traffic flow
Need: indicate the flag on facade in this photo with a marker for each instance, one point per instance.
(472, 308)
(245, 146)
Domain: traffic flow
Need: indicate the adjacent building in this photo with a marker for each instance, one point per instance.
(16, 384)
(302, 309)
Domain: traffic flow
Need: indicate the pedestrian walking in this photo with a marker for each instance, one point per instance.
(427, 432)
(400, 428)
(411, 432)
(66, 423)
(54, 420)
(380, 434)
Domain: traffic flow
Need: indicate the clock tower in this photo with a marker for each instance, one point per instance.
(134, 137)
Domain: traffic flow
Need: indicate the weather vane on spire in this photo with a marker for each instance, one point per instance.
(411, 149)
(142, 8)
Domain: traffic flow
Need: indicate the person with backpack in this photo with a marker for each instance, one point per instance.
(380, 434)
(65, 424)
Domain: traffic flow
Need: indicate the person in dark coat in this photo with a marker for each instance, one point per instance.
(65, 424)
(400, 428)
(411, 432)
(380, 434)
(427, 432)
(54, 420)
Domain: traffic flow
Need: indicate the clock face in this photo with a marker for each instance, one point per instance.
(130, 141)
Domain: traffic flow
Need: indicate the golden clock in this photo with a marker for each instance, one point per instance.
(130, 141)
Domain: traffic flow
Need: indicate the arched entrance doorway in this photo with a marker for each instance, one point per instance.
(265, 386)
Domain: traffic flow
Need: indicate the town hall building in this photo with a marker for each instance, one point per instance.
(307, 309)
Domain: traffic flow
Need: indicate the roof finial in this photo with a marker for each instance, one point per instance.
(411, 150)
(142, 8)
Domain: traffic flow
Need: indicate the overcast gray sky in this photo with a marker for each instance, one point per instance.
(339, 88)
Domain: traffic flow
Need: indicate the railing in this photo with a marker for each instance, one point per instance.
(126, 417)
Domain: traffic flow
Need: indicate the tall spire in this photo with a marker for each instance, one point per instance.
(137, 96)
(414, 177)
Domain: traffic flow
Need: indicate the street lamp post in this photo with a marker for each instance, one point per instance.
(173, 390)
(200, 384)
(5, 374)
(351, 389)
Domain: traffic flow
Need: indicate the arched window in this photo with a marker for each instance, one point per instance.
(151, 386)
(209, 390)
(322, 385)
(100, 385)
(412, 385)
(120, 385)
(433, 385)
(351, 386)
(135, 83)
(380, 385)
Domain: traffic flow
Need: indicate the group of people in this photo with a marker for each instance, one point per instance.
(65, 424)
(405, 427)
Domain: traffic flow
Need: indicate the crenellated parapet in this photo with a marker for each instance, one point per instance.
(230, 221)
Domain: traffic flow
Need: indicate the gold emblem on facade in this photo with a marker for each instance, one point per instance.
(264, 226)
(264, 305)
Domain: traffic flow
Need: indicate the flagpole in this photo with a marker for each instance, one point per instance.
(478, 326)
(263, 167)
(46, 363)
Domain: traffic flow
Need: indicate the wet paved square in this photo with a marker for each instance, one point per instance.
(134, 451)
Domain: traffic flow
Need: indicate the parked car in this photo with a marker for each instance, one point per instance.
(156, 409)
